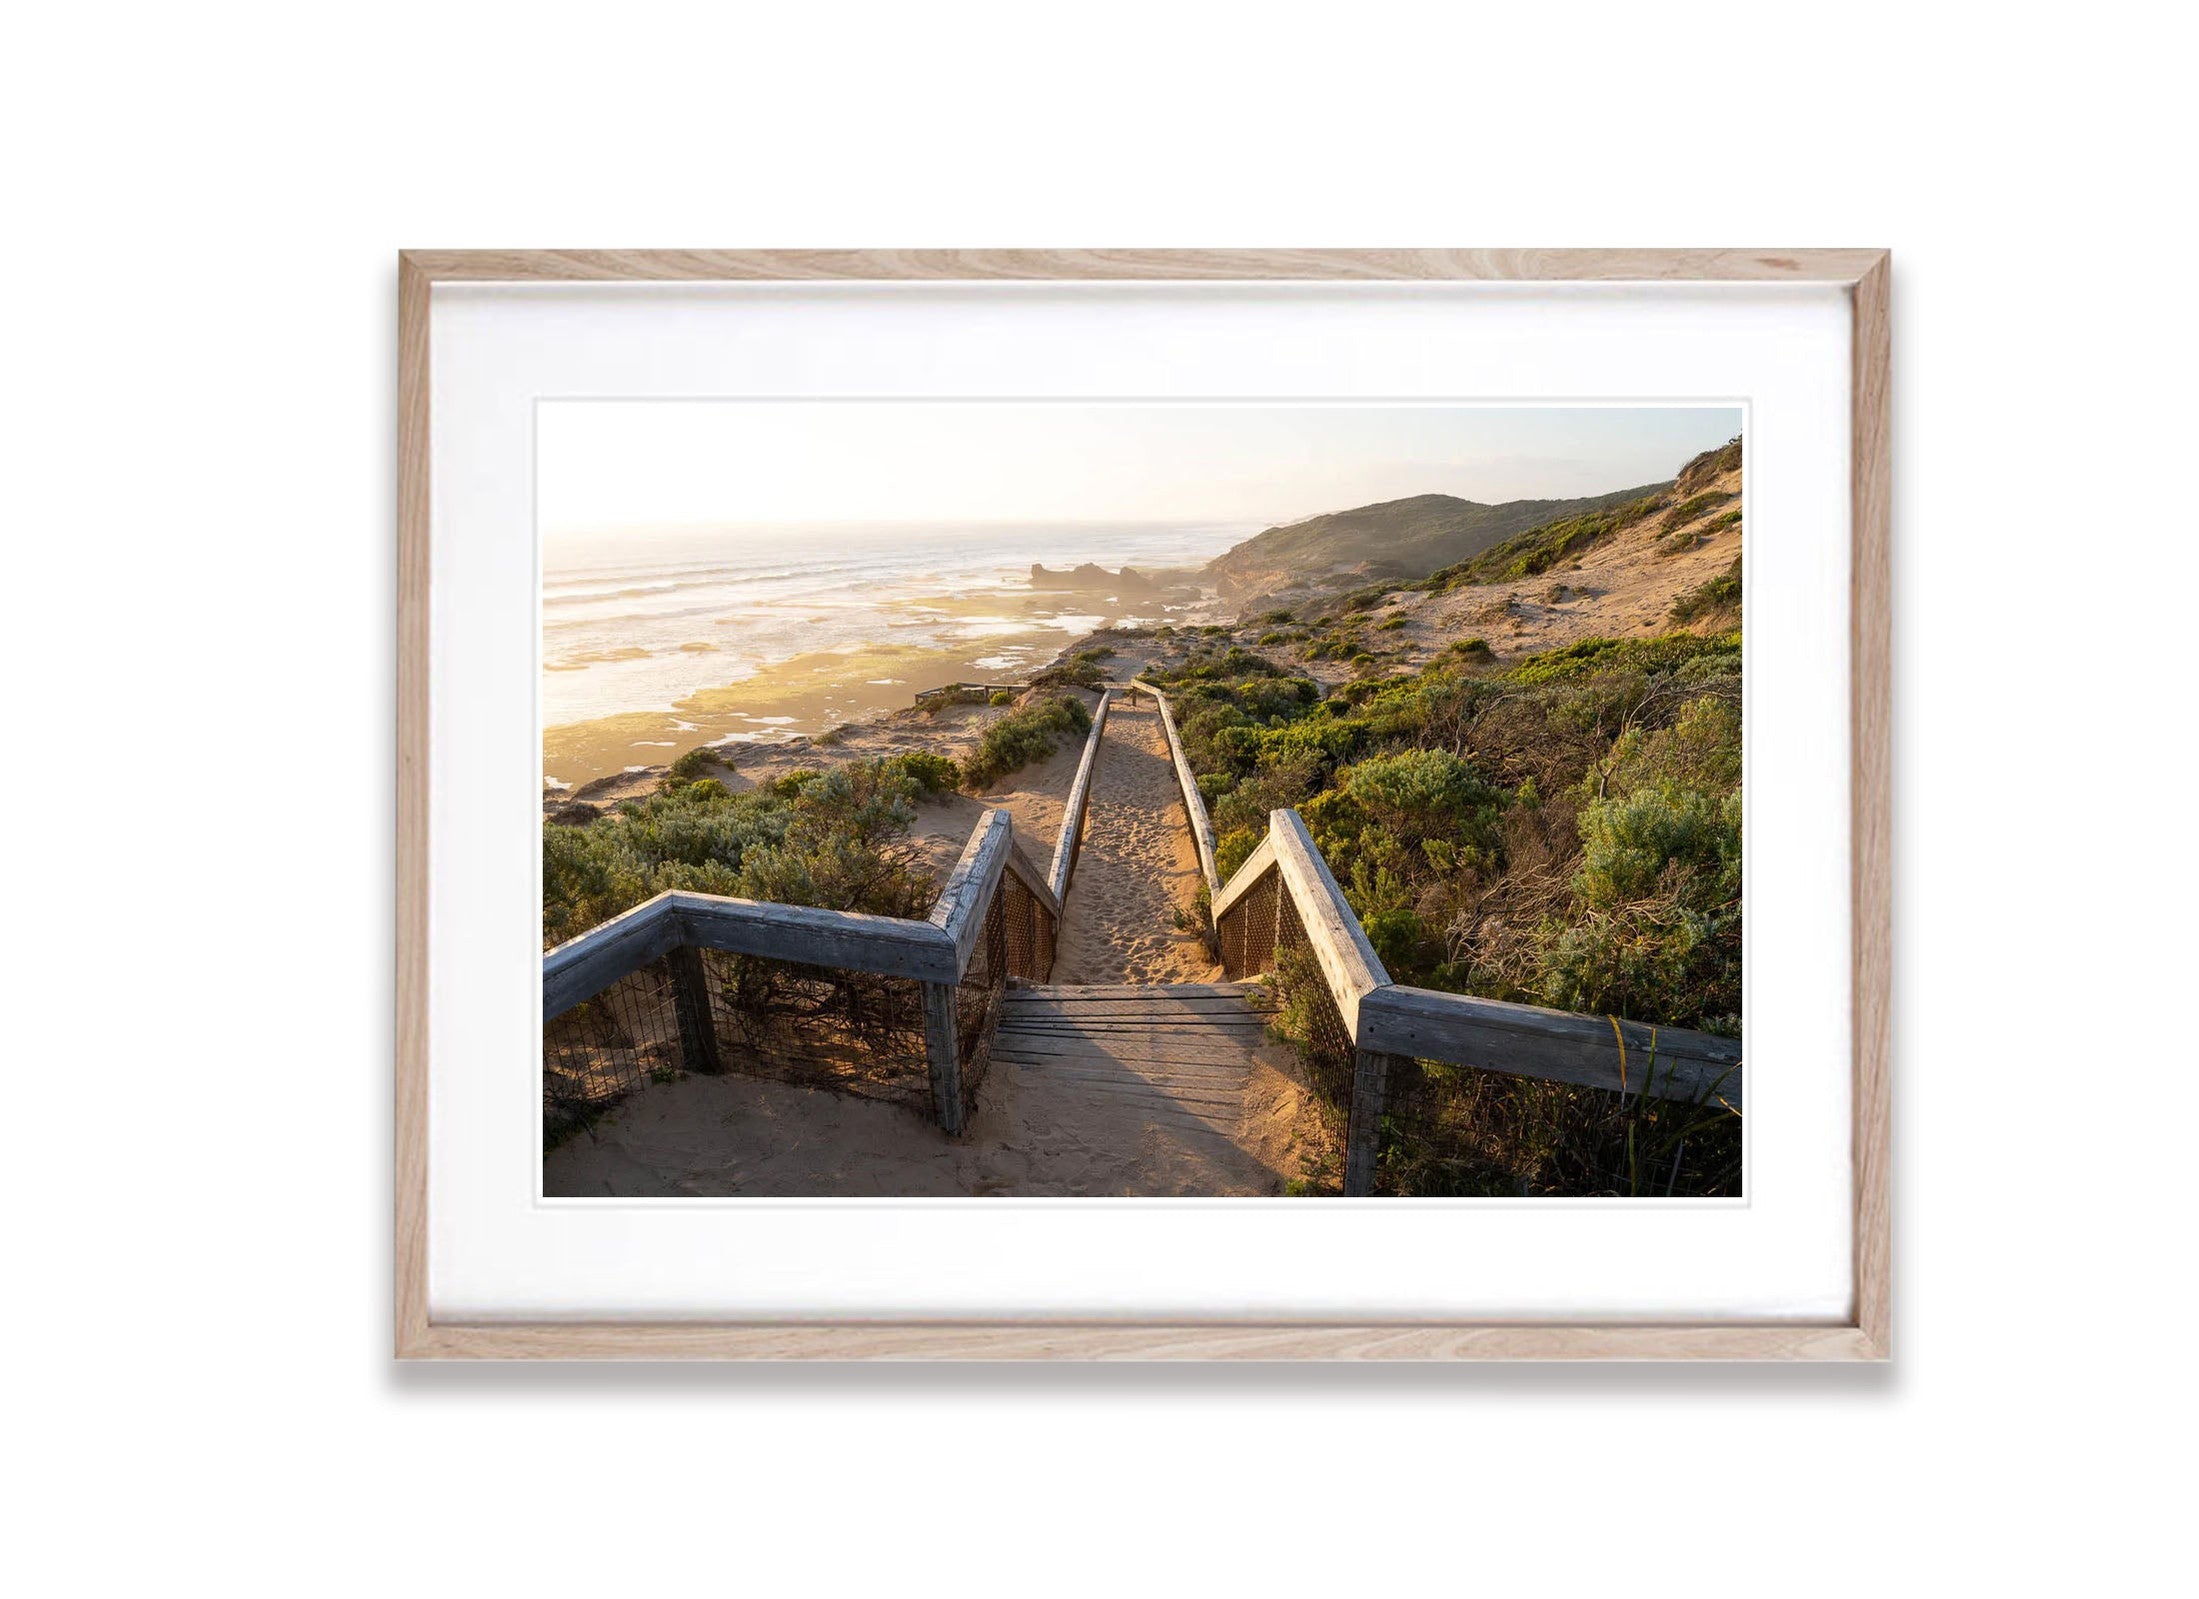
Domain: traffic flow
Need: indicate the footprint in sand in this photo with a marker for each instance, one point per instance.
(1137, 870)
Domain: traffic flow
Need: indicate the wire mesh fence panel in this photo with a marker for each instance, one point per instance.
(624, 1038)
(819, 1027)
(1452, 1129)
(1029, 930)
(1247, 931)
(1308, 1014)
(977, 997)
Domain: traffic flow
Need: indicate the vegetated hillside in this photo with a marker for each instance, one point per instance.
(834, 839)
(1525, 770)
(1563, 830)
(1641, 567)
(1398, 538)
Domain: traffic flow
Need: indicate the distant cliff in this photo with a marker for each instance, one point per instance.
(1089, 576)
(1400, 538)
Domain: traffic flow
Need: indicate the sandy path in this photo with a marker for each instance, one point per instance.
(1138, 868)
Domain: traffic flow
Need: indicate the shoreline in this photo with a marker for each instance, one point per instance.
(810, 694)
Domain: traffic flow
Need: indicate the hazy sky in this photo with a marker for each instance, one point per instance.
(610, 464)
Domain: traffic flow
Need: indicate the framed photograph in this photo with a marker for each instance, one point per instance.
(1143, 804)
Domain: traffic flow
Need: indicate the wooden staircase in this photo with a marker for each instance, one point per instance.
(1178, 1055)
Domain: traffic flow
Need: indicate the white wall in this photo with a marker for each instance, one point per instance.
(197, 383)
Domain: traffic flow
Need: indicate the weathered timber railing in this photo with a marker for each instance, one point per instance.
(1368, 1034)
(1194, 804)
(874, 1005)
(1071, 839)
(924, 694)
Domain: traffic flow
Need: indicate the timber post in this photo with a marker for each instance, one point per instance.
(691, 1005)
(943, 1050)
(1363, 1141)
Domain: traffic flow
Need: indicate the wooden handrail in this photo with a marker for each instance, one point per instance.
(1557, 1046)
(959, 912)
(885, 946)
(584, 966)
(1348, 961)
(1028, 875)
(1385, 1018)
(1256, 866)
(1194, 803)
(937, 950)
(1067, 843)
(982, 688)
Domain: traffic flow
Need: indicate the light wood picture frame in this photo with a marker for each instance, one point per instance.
(1863, 1335)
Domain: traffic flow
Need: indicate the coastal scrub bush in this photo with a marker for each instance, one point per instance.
(1392, 624)
(1721, 593)
(1691, 508)
(932, 774)
(1563, 830)
(1080, 670)
(1001, 696)
(950, 697)
(1021, 737)
(696, 762)
(1711, 463)
(836, 840)
(1232, 849)
(1535, 551)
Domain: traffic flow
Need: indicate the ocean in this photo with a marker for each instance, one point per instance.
(638, 621)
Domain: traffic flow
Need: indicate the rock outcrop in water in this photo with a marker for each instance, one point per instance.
(1089, 576)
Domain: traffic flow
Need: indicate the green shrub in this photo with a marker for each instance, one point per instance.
(695, 763)
(828, 839)
(949, 698)
(932, 774)
(1602, 656)
(1021, 737)
(1691, 508)
(1001, 696)
(1711, 463)
(1535, 551)
(1721, 593)
(1232, 849)
(1392, 624)
(1080, 670)
(1564, 830)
